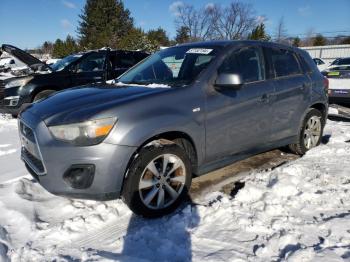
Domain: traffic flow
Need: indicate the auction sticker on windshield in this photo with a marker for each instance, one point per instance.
(202, 51)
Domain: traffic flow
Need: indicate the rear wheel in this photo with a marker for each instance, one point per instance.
(43, 94)
(158, 180)
(310, 133)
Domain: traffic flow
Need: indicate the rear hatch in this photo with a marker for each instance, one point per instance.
(339, 80)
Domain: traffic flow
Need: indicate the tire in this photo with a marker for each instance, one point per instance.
(306, 131)
(144, 189)
(43, 94)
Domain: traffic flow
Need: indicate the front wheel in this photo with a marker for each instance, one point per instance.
(310, 134)
(43, 94)
(158, 180)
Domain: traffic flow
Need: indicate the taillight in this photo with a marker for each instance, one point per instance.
(326, 84)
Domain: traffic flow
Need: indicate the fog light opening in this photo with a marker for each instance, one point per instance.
(80, 176)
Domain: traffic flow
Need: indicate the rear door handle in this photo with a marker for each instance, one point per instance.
(264, 98)
(305, 85)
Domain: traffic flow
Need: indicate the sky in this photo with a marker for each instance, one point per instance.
(28, 23)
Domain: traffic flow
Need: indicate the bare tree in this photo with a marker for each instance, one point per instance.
(215, 22)
(232, 22)
(194, 20)
(309, 35)
(281, 31)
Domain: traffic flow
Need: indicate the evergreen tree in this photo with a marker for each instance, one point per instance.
(103, 23)
(70, 45)
(182, 35)
(158, 36)
(58, 49)
(64, 48)
(296, 41)
(259, 33)
(319, 40)
(136, 39)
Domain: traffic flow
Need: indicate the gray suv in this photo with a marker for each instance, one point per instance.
(182, 112)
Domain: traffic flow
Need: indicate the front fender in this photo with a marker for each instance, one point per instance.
(137, 133)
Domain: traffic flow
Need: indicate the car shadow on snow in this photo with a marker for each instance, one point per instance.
(162, 239)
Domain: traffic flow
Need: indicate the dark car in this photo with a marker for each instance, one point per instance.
(341, 61)
(184, 111)
(73, 70)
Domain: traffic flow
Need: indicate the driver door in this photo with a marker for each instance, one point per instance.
(90, 69)
(239, 120)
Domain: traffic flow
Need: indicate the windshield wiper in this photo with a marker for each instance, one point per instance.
(135, 82)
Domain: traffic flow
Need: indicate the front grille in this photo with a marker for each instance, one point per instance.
(30, 151)
(27, 132)
(36, 163)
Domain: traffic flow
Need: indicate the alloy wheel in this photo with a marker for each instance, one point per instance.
(162, 181)
(312, 132)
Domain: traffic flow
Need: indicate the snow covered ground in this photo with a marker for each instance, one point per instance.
(297, 212)
(10, 164)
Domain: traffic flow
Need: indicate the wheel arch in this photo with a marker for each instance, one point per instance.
(322, 108)
(178, 137)
(39, 89)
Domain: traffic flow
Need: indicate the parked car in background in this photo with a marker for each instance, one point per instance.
(341, 61)
(320, 63)
(78, 69)
(339, 83)
(182, 112)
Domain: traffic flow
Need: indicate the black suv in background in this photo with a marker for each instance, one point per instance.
(73, 70)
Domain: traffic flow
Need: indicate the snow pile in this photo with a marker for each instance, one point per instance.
(10, 164)
(297, 212)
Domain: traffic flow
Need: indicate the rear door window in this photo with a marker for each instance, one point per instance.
(284, 62)
(91, 63)
(247, 62)
(304, 64)
(124, 60)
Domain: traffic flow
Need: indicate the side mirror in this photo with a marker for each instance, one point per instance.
(231, 81)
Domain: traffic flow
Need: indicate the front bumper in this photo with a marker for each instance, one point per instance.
(7, 108)
(110, 163)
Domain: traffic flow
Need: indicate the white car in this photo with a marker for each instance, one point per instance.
(320, 64)
(339, 83)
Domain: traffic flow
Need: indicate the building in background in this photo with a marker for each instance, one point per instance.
(328, 53)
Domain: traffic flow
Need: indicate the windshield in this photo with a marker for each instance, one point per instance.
(177, 66)
(341, 61)
(59, 65)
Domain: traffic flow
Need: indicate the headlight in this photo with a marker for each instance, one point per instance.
(18, 82)
(85, 133)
